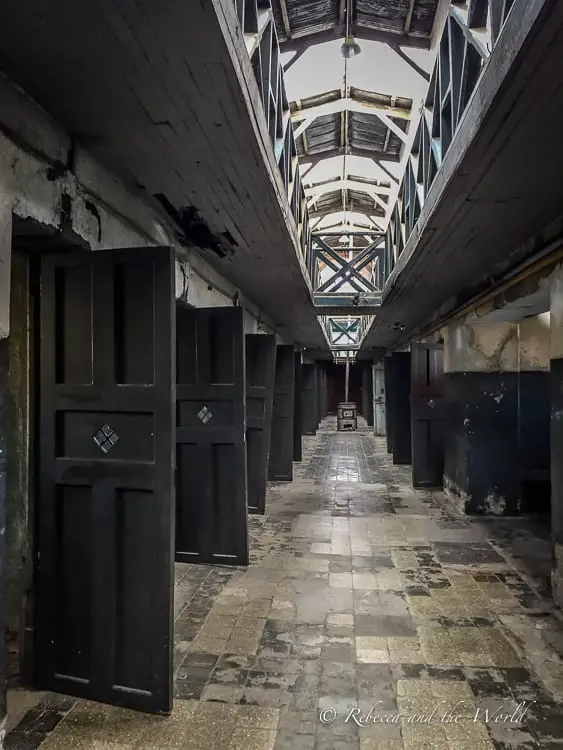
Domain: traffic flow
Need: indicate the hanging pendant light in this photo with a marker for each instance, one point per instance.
(350, 48)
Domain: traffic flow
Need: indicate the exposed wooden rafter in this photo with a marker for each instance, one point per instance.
(408, 19)
(376, 156)
(297, 56)
(349, 183)
(342, 14)
(285, 17)
(351, 105)
(359, 32)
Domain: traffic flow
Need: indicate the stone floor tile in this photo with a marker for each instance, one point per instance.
(244, 738)
(362, 594)
(367, 743)
(424, 736)
(340, 580)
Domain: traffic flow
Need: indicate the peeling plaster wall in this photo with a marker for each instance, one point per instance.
(88, 203)
(481, 409)
(534, 404)
(474, 348)
(534, 343)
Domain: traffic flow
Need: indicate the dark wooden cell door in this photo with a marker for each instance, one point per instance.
(401, 408)
(260, 374)
(323, 393)
(105, 554)
(211, 481)
(318, 399)
(370, 416)
(379, 401)
(427, 414)
(280, 467)
(297, 413)
(366, 390)
(309, 398)
(389, 401)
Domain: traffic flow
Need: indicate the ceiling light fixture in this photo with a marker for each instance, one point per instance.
(350, 47)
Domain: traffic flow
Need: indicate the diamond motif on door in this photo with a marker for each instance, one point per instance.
(105, 438)
(205, 415)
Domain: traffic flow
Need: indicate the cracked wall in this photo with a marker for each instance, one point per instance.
(481, 397)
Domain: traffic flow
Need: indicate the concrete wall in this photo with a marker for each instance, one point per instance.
(534, 399)
(86, 202)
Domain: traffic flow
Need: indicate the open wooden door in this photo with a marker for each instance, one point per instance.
(389, 401)
(366, 390)
(260, 373)
(309, 398)
(105, 565)
(401, 391)
(280, 467)
(379, 401)
(211, 495)
(427, 409)
(297, 413)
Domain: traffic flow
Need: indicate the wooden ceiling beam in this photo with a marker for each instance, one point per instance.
(375, 156)
(298, 43)
(350, 105)
(408, 19)
(285, 17)
(357, 186)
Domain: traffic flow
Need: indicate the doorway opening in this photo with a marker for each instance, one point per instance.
(29, 240)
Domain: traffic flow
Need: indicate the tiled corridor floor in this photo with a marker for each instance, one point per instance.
(370, 618)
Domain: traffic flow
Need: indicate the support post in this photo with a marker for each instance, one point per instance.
(309, 398)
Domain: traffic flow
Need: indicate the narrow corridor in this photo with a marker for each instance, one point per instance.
(369, 618)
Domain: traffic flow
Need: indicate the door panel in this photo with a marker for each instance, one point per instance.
(309, 399)
(379, 401)
(366, 390)
(260, 374)
(427, 407)
(297, 413)
(211, 486)
(370, 395)
(323, 392)
(401, 408)
(280, 467)
(389, 401)
(105, 572)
